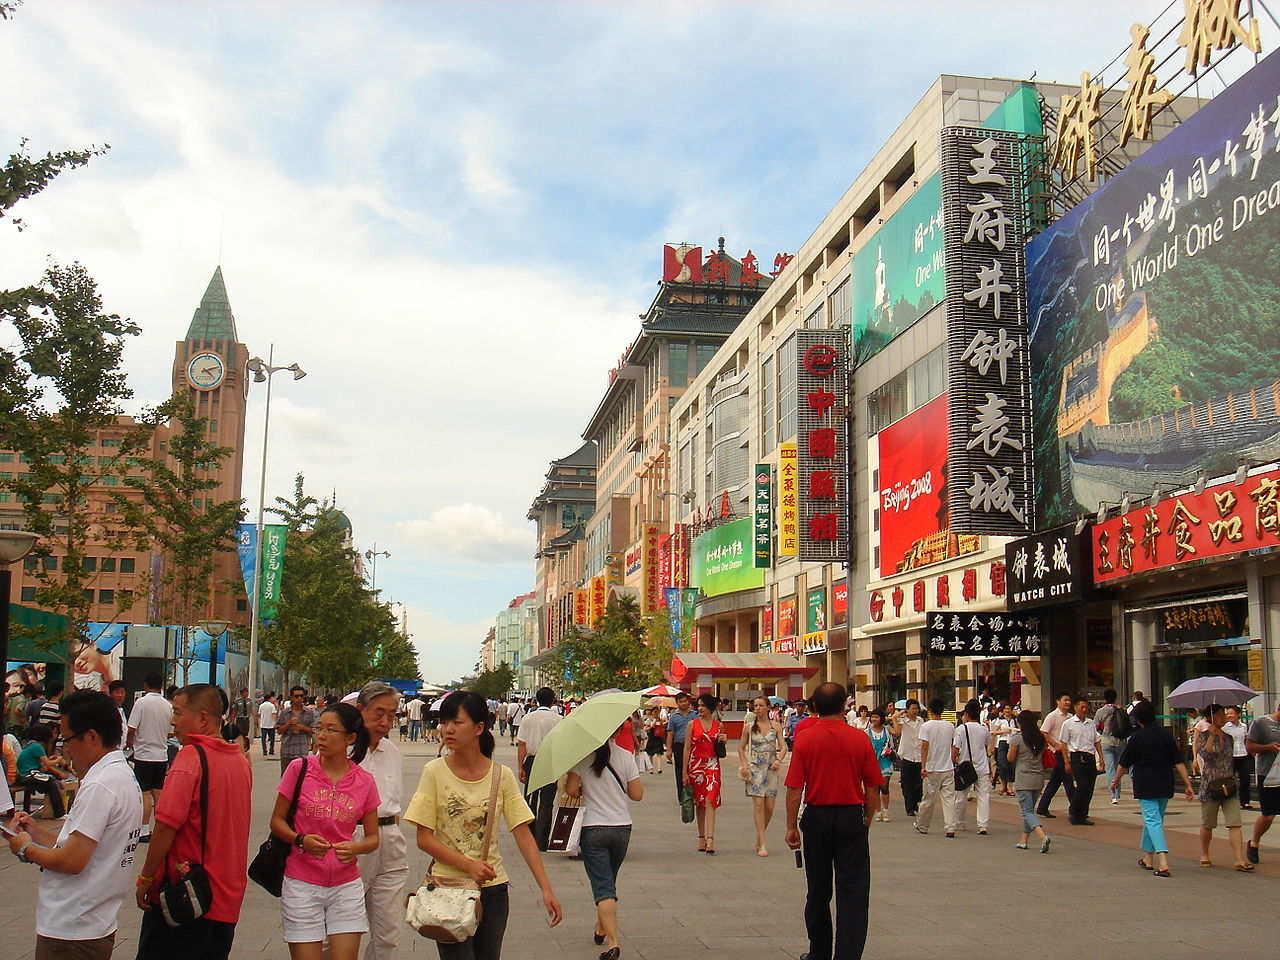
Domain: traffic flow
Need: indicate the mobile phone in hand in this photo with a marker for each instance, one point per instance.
(799, 859)
(9, 826)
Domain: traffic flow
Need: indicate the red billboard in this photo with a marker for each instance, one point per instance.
(913, 499)
(786, 618)
(1226, 518)
(840, 603)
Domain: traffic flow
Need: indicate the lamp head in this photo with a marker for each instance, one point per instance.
(297, 371)
(15, 544)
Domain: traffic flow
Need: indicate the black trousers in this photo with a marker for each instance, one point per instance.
(912, 786)
(543, 804)
(1083, 772)
(486, 942)
(836, 859)
(677, 764)
(198, 940)
(1244, 772)
(1058, 778)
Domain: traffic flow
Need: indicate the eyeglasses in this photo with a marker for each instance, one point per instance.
(330, 730)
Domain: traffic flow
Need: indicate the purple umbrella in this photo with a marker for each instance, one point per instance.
(1202, 691)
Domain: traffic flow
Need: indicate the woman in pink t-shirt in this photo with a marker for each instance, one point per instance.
(323, 895)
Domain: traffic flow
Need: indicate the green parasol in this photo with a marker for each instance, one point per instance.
(576, 737)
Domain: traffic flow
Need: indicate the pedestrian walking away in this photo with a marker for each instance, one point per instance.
(702, 768)
(267, 714)
(1027, 748)
(882, 745)
(241, 710)
(295, 725)
(677, 728)
(1114, 727)
(937, 770)
(1219, 789)
(905, 725)
(86, 867)
(203, 817)
(149, 725)
(1151, 757)
(761, 752)
(449, 809)
(1263, 743)
(836, 772)
(384, 871)
(972, 741)
(533, 728)
(1060, 774)
(1240, 759)
(1083, 746)
(606, 830)
(322, 896)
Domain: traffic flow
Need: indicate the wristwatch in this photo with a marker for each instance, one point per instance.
(297, 841)
(22, 851)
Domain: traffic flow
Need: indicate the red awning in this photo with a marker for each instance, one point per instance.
(765, 667)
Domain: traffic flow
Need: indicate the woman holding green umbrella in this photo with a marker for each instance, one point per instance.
(606, 781)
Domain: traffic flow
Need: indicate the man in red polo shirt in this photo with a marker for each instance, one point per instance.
(836, 770)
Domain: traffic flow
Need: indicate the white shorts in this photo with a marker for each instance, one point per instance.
(309, 913)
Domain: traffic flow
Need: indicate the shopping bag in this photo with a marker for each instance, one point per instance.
(562, 827)
(686, 804)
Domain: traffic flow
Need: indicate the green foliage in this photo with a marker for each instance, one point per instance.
(626, 650)
(493, 683)
(190, 536)
(329, 626)
(61, 387)
(396, 659)
(22, 177)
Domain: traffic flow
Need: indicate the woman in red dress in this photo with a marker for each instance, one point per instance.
(702, 768)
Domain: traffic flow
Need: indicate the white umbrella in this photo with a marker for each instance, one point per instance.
(1203, 691)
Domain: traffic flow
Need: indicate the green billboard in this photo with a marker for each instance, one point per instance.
(723, 559)
(898, 275)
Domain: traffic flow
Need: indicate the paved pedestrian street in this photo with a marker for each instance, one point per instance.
(971, 896)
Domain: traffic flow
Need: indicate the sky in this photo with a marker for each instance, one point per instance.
(451, 214)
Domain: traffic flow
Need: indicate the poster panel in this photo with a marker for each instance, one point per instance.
(1153, 310)
(723, 559)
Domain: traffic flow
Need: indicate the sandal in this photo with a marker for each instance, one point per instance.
(1144, 865)
(1245, 867)
(1206, 862)
(1162, 873)
(709, 848)
(702, 844)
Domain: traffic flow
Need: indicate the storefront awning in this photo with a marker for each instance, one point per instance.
(743, 667)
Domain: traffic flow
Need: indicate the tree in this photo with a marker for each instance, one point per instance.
(61, 397)
(397, 659)
(625, 650)
(492, 684)
(189, 528)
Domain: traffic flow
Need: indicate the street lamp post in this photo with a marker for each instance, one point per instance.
(213, 629)
(14, 545)
(262, 372)
(373, 555)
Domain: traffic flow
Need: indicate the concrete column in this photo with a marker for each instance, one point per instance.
(1264, 619)
(1142, 631)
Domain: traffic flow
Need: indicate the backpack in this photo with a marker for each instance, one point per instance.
(1119, 724)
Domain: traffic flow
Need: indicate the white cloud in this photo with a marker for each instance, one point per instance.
(469, 532)
(448, 649)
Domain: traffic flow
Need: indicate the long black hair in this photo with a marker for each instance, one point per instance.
(352, 722)
(1029, 727)
(474, 706)
(600, 759)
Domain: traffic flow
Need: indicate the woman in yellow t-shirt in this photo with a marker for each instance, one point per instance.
(449, 810)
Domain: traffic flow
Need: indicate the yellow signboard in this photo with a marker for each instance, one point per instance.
(788, 501)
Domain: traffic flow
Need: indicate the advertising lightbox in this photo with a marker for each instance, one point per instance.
(723, 559)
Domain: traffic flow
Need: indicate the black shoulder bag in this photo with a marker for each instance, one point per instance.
(190, 896)
(267, 868)
(966, 773)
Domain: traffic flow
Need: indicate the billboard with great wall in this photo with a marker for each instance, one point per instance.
(1154, 312)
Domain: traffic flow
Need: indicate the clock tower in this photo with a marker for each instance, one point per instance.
(209, 364)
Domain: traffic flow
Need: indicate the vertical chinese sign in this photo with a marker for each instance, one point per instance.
(581, 606)
(649, 551)
(821, 457)
(989, 487)
(788, 501)
(763, 527)
(597, 601)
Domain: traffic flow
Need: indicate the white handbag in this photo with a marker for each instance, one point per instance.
(447, 909)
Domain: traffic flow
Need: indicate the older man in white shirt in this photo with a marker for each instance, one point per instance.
(385, 870)
(1051, 727)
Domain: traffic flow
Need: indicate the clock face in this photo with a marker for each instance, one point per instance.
(206, 370)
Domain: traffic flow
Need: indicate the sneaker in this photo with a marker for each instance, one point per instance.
(982, 831)
(1115, 799)
(1044, 847)
(919, 829)
(951, 834)
(884, 815)
(1251, 851)
(1021, 846)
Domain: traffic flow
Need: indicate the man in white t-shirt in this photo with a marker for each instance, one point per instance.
(972, 741)
(1059, 776)
(87, 867)
(905, 724)
(937, 769)
(415, 719)
(267, 713)
(150, 724)
(533, 728)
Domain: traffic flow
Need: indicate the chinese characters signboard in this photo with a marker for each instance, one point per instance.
(649, 563)
(983, 191)
(1047, 569)
(1227, 518)
(763, 516)
(722, 559)
(981, 635)
(682, 263)
(1206, 622)
(788, 501)
(821, 460)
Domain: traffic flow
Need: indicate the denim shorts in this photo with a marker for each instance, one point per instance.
(603, 849)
